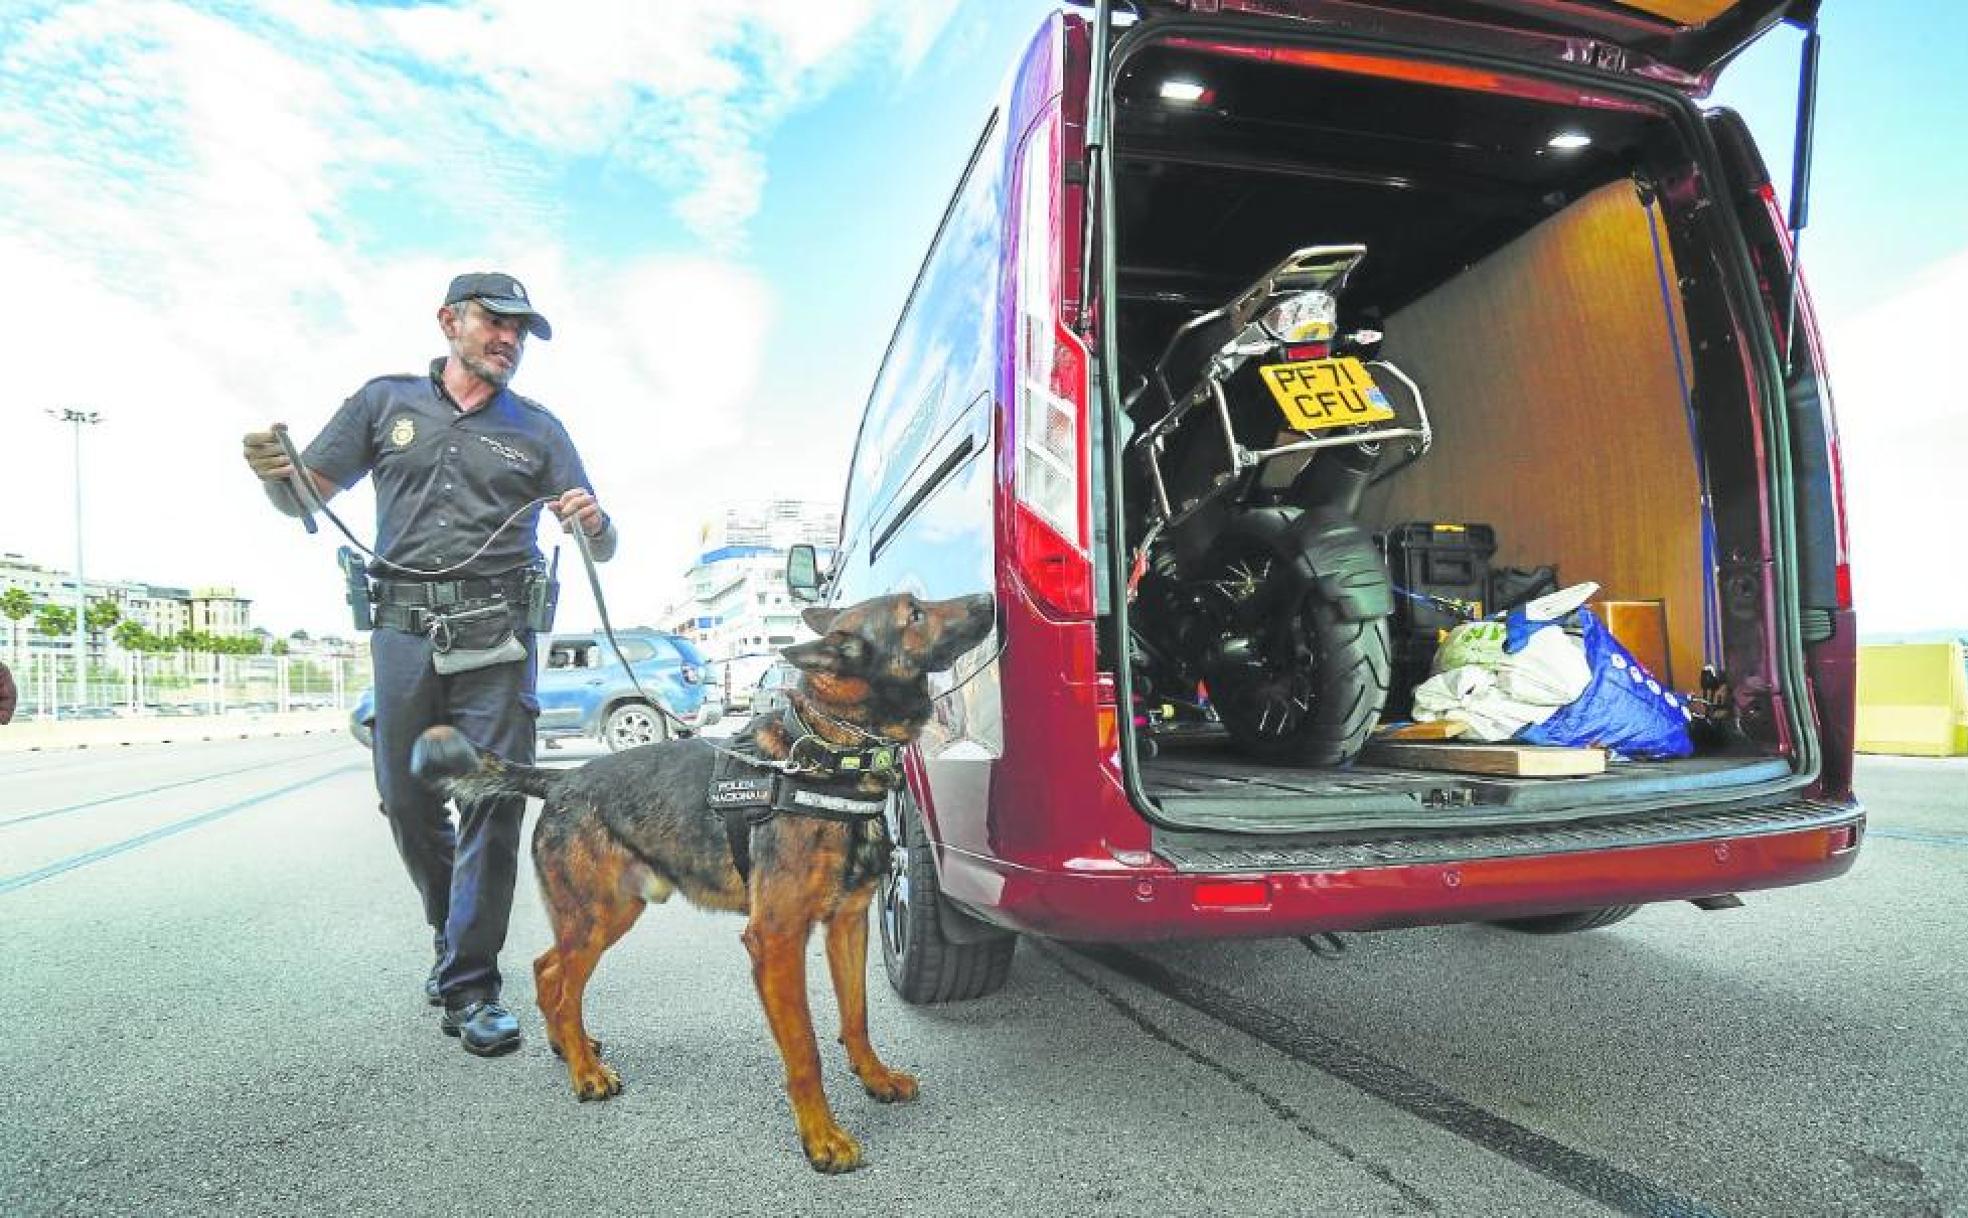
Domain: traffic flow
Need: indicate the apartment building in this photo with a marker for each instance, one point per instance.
(161, 609)
(734, 604)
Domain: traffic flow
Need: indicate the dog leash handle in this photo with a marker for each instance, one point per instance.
(298, 481)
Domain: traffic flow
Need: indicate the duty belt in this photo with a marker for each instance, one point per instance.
(407, 604)
(445, 593)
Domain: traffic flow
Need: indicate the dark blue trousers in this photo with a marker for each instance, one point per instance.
(464, 873)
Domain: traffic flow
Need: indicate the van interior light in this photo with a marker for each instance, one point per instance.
(1566, 141)
(1182, 91)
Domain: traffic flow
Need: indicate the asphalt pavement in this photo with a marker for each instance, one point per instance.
(212, 964)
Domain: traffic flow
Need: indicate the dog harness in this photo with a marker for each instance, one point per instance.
(819, 779)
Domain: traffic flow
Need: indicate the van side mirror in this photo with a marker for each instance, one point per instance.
(803, 580)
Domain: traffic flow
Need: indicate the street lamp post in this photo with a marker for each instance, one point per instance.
(77, 418)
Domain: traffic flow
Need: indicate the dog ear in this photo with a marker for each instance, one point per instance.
(819, 620)
(816, 656)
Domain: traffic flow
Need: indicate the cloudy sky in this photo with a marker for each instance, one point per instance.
(218, 215)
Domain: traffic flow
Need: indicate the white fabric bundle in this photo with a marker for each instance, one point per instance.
(1499, 693)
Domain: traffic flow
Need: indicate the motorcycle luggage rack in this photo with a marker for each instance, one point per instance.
(1313, 268)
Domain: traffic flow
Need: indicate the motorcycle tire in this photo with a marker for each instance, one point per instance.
(1305, 684)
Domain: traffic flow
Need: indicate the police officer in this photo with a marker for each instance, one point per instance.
(454, 454)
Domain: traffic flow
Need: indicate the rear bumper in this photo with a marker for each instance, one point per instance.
(1101, 901)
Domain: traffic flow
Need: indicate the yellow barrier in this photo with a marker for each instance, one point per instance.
(1913, 699)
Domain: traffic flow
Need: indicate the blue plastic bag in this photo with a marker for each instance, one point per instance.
(1624, 708)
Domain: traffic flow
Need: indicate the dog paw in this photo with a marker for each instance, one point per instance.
(890, 1086)
(831, 1149)
(599, 1083)
(594, 1047)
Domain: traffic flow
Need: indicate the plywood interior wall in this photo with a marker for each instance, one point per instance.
(1558, 417)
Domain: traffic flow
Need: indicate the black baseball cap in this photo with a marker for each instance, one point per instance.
(500, 293)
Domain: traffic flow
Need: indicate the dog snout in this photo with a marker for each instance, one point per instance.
(963, 622)
(982, 611)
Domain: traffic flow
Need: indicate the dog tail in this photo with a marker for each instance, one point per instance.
(446, 760)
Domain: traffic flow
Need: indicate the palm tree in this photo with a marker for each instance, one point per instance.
(102, 614)
(16, 604)
(130, 635)
(54, 620)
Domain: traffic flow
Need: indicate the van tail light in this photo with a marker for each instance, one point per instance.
(692, 675)
(1805, 343)
(1843, 569)
(1048, 420)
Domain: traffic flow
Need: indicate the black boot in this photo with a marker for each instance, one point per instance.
(484, 1028)
(430, 983)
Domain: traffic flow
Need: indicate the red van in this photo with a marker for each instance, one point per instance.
(1585, 274)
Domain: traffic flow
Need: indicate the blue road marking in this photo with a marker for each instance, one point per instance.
(12, 883)
(110, 799)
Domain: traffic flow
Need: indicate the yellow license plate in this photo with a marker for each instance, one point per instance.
(1319, 393)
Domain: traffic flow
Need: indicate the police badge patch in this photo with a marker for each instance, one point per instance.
(403, 431)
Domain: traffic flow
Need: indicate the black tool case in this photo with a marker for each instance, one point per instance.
(1441, 575)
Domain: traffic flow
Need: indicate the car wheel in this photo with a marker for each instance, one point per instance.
(633, 724)
(1568, 923)
(924, 965)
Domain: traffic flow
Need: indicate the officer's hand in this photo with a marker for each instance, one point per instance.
(578, 504)
(264, 454)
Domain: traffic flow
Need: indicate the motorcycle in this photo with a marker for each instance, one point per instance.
(1251, 582)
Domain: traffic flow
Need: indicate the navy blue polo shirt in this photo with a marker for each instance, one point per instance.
(446, 479)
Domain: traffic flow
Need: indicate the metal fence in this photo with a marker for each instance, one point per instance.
(185, 684)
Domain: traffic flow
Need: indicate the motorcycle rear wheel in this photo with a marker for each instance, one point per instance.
(1304, 685)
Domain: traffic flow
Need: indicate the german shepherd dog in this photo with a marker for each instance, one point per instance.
(633, 827)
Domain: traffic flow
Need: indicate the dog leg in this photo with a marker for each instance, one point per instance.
(591, 905)
(578, 947)
(546, 987)
(778, 954)
(847, 960)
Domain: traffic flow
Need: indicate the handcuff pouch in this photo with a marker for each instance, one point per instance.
(473, 637)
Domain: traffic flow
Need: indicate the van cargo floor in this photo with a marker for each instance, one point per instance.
(1206, 785)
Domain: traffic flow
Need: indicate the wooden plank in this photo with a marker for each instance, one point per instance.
(1434, 729)
(1510, 760)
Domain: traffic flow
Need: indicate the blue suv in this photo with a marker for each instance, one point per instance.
(585, 691)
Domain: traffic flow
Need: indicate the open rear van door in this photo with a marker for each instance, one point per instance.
(1681, 42)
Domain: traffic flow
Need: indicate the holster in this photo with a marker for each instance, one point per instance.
(542, 599)
(356, 579)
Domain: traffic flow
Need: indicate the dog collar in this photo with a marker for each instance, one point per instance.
(813, 754)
